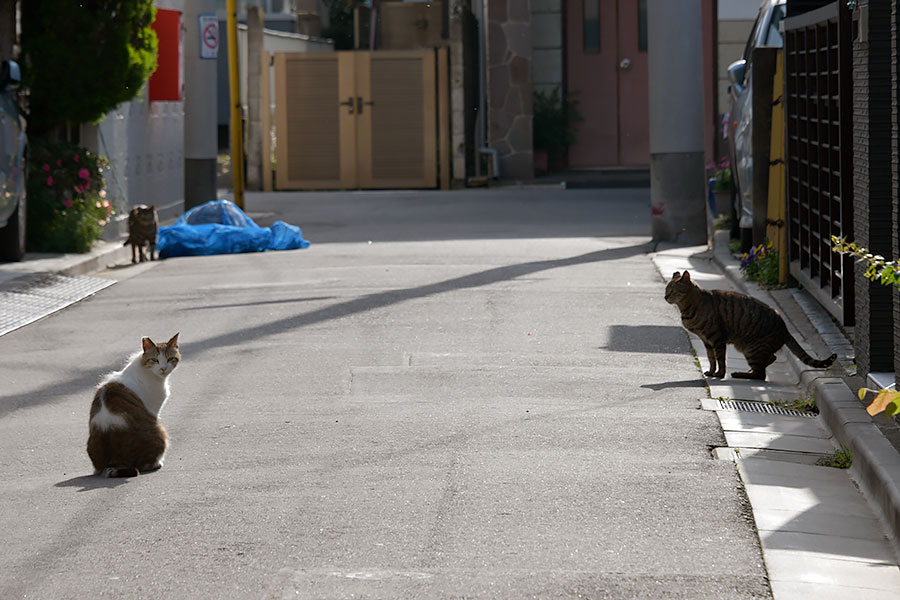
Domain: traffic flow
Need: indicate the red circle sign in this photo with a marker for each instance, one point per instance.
(211, 36)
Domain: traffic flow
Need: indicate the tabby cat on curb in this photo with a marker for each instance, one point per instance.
(719, 318)
(143, 223)
(126, 437)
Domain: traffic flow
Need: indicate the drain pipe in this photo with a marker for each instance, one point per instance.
(481, 140)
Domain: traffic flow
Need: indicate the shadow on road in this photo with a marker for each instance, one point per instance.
(686, 383)
(261, 303)
(88, 483)
(11, 403)
(657, 339)
(382, 299)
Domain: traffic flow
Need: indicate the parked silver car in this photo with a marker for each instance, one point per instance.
(766, 33)
(13, 144)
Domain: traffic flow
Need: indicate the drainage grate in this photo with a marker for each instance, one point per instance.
(44, 295)
(761, 407)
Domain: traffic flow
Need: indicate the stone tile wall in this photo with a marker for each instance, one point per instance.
(509, 52)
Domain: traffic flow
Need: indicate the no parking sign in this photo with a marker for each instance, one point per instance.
(209, 36)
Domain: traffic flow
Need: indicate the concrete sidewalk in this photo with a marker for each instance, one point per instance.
(825, 532)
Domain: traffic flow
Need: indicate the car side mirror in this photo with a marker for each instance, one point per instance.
(736, 72)
(10, 75)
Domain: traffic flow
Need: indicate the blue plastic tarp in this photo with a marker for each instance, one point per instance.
(220, 227)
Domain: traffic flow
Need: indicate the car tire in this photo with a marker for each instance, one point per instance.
(12, 237)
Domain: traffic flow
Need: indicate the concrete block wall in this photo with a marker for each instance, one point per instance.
(509, 51)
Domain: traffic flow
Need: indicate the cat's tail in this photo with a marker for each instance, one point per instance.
(800, 353)
(119, 472)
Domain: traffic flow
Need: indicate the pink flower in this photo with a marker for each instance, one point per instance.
(84, 173)
(67, 203)
(50, 181)
(97, 204)
(46, 167)
(105, 202)
(102, 193)
(101, 222)
(87, 185)
(59, 163)
(75, 158)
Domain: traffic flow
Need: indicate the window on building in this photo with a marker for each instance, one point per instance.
(592, 25)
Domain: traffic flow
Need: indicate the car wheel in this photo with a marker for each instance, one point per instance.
(12, 237)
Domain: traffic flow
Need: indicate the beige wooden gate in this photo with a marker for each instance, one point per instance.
(348, 120)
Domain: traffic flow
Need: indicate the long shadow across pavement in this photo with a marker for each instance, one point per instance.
(46, 394)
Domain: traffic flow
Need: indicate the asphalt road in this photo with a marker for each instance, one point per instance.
(473, 394)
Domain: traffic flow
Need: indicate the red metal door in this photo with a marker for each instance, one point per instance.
(606, 44)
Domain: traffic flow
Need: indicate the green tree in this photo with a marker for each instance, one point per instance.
(83, 58)
(340, 23)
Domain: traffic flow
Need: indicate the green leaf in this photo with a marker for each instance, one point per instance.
(891, 409)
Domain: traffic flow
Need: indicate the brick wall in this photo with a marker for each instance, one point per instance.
(872, 197)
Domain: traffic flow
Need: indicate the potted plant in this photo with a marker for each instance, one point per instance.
(555, 119)
(721, 186)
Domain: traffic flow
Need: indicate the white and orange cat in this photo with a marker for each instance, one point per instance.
(126, 436)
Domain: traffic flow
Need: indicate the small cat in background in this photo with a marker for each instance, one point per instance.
(143, 223)
(720, 318)
(125, 436)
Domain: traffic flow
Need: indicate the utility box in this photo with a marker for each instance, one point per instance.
(167, 81)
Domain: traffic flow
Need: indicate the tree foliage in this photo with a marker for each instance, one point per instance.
(84, 58)
(340, 23)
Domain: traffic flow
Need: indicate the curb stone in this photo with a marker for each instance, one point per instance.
(876, 463)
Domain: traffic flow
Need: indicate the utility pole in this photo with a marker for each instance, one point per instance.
(201, 45)
(675, 56)
(237, 146)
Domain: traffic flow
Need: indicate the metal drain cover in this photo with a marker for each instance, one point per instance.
(37, 297)
(761, 407)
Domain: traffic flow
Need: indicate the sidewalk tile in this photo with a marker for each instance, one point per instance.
(798, 590)
(810, 567)
(770, 423)
(860, 526)
(777, 441)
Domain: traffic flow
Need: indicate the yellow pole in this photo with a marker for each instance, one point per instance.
(237, 147)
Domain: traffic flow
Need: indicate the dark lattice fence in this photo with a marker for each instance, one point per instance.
(818, 113)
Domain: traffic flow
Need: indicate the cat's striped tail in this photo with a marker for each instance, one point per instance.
(800, 353)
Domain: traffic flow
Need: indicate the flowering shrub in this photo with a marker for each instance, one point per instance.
(761, 264)
(67, 205)
(722, 174)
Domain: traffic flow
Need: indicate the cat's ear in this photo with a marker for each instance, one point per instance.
(676, 276)
(147, 344)
(173, 343)
(686, 276)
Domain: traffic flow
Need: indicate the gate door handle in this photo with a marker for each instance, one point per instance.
(349, 105)
(359, 104)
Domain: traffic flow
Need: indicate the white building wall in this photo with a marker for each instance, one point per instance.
(144, 142)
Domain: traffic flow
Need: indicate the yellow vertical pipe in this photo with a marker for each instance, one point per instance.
(234, 93)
